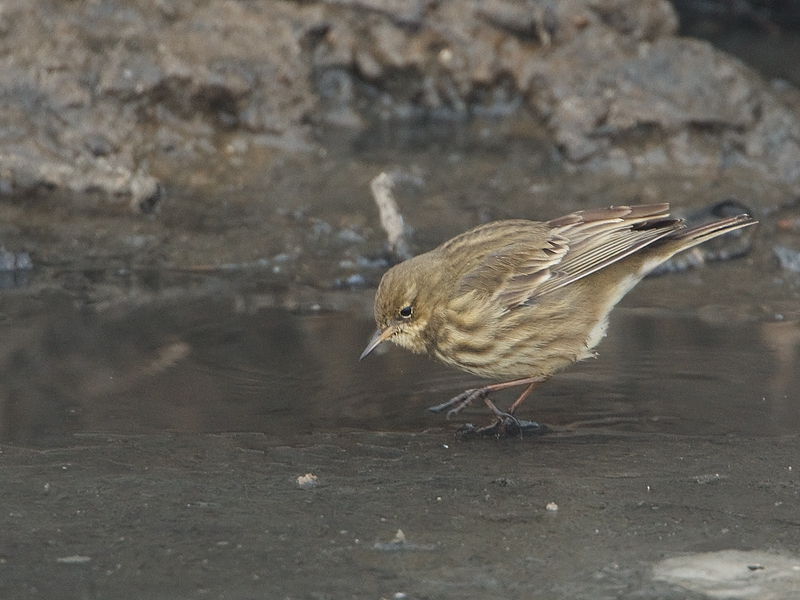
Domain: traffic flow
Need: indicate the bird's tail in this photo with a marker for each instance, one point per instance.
(681, 239)
(691, 236)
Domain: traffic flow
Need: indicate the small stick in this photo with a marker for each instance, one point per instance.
(391, 219)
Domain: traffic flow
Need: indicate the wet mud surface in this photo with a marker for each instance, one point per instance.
(222, 515)
(161, 451)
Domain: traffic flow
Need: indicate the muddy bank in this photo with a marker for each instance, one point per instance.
(312, 228)
(245, 137)
(124, 98)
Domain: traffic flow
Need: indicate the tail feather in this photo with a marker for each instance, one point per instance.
(685, 238)
(691, 236)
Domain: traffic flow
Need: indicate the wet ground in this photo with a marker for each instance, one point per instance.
(160, 450)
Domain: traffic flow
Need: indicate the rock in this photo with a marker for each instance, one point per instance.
(85, 86)
(117, 102)
(787, 258)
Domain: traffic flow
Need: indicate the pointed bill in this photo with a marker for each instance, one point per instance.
(379, 337)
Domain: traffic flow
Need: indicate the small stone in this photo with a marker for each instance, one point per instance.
(307, 481)
(788, 258)
(8, 262)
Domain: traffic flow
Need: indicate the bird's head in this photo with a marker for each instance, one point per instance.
(403, 306)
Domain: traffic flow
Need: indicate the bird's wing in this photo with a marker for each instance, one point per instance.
(600, 237)
(531, 259)
(505, 260)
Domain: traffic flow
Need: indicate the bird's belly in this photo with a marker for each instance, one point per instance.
(526, 342)
(530, 341)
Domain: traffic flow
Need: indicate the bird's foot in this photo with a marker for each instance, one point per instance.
(460, 402)
(504, 427)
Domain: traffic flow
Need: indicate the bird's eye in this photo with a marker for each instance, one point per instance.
(405, 312)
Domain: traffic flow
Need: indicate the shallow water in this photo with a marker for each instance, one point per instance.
(213, 365)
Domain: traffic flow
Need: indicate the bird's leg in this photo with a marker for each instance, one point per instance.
(525, 394)
(506, 424)
(465, 398)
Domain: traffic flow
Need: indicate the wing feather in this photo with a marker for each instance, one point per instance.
(531, 259)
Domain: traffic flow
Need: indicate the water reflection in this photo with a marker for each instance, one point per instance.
(211, 366)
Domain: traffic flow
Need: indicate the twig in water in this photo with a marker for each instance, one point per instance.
(391, 219)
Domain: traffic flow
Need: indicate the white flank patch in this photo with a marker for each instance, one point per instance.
(598, 332)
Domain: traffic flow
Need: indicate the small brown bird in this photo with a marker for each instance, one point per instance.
(518, 301)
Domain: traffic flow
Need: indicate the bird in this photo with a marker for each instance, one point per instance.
(516, 301)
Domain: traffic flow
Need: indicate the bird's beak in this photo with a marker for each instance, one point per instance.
(380, 336)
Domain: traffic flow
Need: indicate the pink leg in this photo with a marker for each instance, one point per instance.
(524, 395)
(464, 399)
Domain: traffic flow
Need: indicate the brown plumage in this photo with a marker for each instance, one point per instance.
(520, 300)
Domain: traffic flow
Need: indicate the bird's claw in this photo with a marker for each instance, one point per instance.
(506, 425)
(499, 413)
(502, 428)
